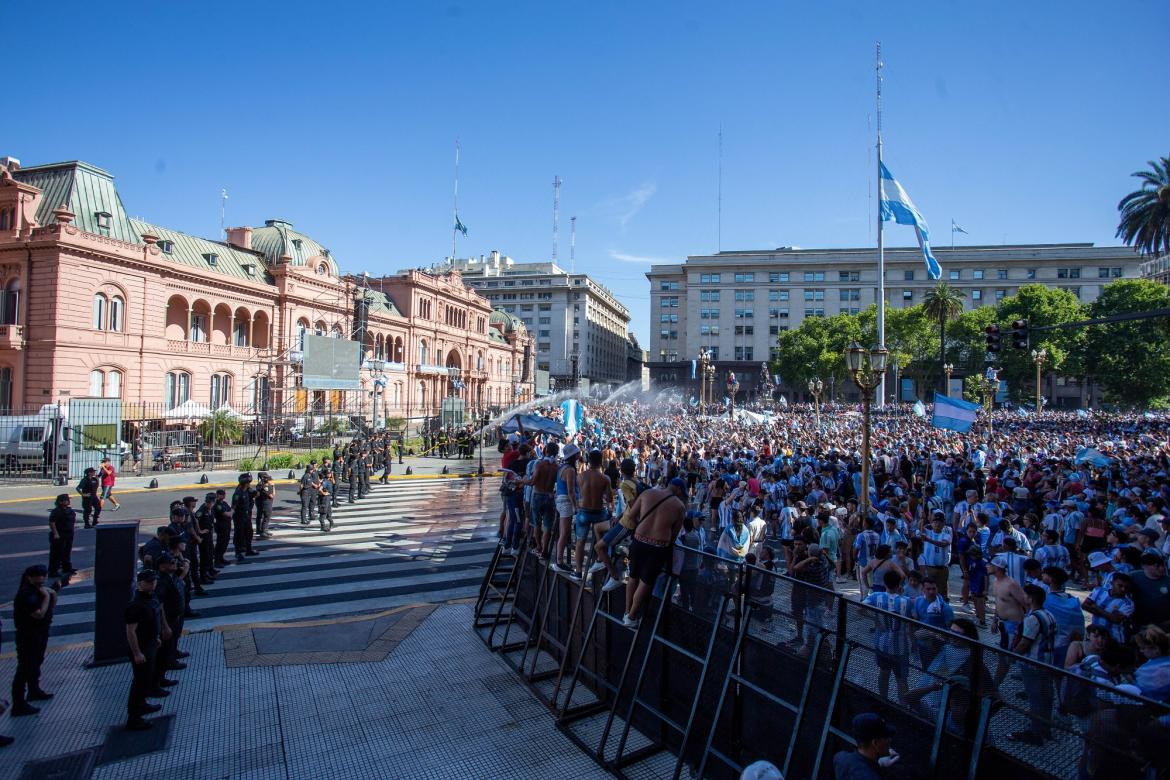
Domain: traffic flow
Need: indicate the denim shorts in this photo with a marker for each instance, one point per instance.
(544, 512)
(587, 517)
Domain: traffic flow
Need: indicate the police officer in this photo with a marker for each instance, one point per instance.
(205, 522)
(401, 446)
(364, 472)
(325, 505)
(172, 599)
(338, 474)
(265, 495)
(351, 474)
(194, 544)
(143, 636)
(32, 614)
(223, 527)
(243, 500)
(62, 520)
(310, 492)
(91, 504)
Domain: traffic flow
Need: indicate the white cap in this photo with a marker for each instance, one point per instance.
(761, 770)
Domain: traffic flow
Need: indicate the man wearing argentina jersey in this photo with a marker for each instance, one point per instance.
(1111, 606)
(1052, 553)
(891, 634)
(865, 546)
(936, 552)
(1013, 562)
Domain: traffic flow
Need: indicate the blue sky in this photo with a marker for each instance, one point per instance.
(1022, 121)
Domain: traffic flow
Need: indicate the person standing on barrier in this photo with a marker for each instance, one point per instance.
(606, 548)
(657, 514)
(265, 495)
(62, 522)
(1036, 641)
(567, 496)
(91, 503)
(594, 510)
(223, 527)
(874, 753)
(544, 511)
(310, 492)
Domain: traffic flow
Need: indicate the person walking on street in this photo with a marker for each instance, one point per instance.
(62, 521)
(107, 475)
(32, 614)
(142, 635)
(91, 503)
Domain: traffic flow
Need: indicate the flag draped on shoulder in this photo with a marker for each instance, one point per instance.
(897, 206)
(953, 414)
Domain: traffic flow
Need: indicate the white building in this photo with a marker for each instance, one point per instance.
(579, 326)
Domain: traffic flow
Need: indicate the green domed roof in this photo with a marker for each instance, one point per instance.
(277, 238)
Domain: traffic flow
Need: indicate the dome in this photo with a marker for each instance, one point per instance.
(277, 238)
(509, 323)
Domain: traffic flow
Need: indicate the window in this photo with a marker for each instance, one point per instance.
(907, 295)
(746, 276)
(709, 314)
(976, 295)
(422, 351)
(814, 295)
(322, 269)
(850, 293)
(544, 307)
(10, 310)
(6, 389)
(850, 276)
(708, 330)
(296, 242)
(221, 390)
(5, 219)
(97, 381)
(545, 320)
(1001, 273)
(664, 285)
(668, 301)
(953, 275)
(850, 310)
(709, 278)
(814, 276)
(1074, 290)
(745, 295)
(1030, 274)
(103, 219)
(212, 258)
(113, 384)
(777, 295)
(773, 330)
(1068, 273)
(543, 346)
(977, 275)
(99, 311)
(744, 314)
(166, 246)
(176, 389)
(710, 296)
(816, 312)
(1108, 273)
(745, 330)
(908, 276)
(744, 353)
(778, 313)
(198, 327)
(117, 313)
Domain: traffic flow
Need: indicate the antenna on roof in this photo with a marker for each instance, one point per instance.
(222, 204)
(572, 245)
(556, 213)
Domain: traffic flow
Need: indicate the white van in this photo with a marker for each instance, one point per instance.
(26, 439)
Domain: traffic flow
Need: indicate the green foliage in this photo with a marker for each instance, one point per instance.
(280, 459)
(972, 388)
(221, 427)
(1145, 213)
(1130, 360)
(334, 426)
(1040, 306)
(816, 350)
(396, 423)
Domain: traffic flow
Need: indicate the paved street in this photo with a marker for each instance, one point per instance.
(410, 540)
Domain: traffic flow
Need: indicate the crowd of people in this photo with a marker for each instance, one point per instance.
(998, 526)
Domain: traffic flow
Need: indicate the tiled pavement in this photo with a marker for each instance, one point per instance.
(440, 705)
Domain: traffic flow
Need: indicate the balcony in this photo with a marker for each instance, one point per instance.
(230, 351)
(11, 336)
(426, 368)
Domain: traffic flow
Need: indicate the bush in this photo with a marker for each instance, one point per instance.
(248, 464)
(280, 460)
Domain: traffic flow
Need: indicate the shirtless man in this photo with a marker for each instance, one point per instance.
(594, 510)
(1011, 604)
(658, 514)
(544, 479)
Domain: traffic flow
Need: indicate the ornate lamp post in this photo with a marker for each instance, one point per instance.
(1038, 357)
(988, 386)
(948, 369)
(867, 367)
(704, 364)
(817, 388)
(709, 381)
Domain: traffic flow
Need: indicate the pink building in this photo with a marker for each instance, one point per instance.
(95, 304)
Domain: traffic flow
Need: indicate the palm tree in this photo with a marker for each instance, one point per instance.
(943, 303)
(1145, 213)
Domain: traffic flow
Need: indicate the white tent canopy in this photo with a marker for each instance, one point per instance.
(188, 410)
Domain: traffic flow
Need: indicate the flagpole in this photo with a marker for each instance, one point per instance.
(455, 215)
(881, 301)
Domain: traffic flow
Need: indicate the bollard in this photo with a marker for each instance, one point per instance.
(291, 475)
(203, 480)
(409, 470)
(153, 483)
(445, 471)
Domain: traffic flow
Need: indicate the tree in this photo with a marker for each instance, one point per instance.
(816, 350)
(966, 343)
(1131, 360)
(221, 427)
(943, 304)
(1145, 213)
(1040, 305)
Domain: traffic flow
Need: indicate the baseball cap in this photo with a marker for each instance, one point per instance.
(869, 726)
(1152, 558)
(679, 483)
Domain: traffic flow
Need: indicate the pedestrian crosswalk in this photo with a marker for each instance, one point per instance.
(407, 541)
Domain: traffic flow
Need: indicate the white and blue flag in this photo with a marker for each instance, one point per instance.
(896, 205)
(953, 414)
(573, 415)
(919, 409)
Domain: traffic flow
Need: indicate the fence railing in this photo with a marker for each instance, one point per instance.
(735, 663)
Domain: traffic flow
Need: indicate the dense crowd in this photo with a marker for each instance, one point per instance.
(999, 526)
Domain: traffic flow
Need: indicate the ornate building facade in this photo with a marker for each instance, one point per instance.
(96, 304)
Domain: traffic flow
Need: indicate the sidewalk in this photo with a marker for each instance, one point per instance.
(19, 492)
(404, 693)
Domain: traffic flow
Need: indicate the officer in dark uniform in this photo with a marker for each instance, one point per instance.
(351, 474)
(32, 614)
(90, 488)
(325, 506)
(401, 446)
(364, 473)
(338, 474)
(205, 522)
(223, 527)
(265, 495)
(194, 544)
(172, 599)
(142, 634)
(310, 492)
(242, 501)
(62, 520)
(387, 460)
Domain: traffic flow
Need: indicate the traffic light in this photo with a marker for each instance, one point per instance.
(993, 338)
(1020, 334)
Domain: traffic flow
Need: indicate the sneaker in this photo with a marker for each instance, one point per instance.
(575, 575)
(611, 584)
(40, 696)
(557, 568)
(596, 567)
(631, 623)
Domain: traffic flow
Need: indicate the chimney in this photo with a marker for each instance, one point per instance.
(496, 258)
(240, 236)
(11, 163)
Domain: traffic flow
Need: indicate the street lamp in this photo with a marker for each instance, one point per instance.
(867, 367)
(988, 386)
(732, 389)
(704, 364)
(1038, 357)
(948, 369)
(817, 387)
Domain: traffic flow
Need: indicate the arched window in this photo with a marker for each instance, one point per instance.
(117, 313)
(322, 269)
(319, 329)
(336, 332)
(221, 390)
(176, 389)
(302, 329)
(5, 219)
(422, 351)
(97, 381)
(10, 311)
(99, 311)
(113, 384)
(6, 390)
(240, 332)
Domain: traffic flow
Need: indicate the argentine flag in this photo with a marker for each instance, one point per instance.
(896, 205)
(953, 414)
(573, 416)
